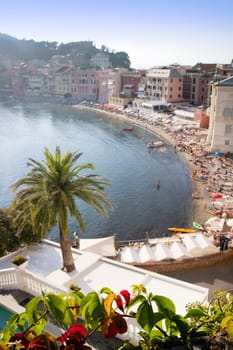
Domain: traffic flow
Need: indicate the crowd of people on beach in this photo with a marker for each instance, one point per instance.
(212, 173)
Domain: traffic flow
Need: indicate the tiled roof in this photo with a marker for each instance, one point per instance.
(225, 82)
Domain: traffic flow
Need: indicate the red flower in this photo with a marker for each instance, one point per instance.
(77, 331)
(117, 325)
(121, 324)
(42, 342)
(126, 296)
(19, 338)
(111, 331)
(122, 299)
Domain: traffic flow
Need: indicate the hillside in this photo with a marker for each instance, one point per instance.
(26, 50)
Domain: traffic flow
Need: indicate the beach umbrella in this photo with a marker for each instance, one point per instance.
(129, 255)
(145, 253)
(218, 154)
(179, 251)
(191, 245)
(229, 222)
(215, 223)
(161, 252)
(205, 244)
(216, 195)
(102, 246)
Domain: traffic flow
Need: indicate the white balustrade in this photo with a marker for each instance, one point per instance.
(22, 280)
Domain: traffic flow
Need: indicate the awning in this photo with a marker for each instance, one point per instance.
(101, 246)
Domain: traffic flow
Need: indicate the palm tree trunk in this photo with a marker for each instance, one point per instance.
(68, 260)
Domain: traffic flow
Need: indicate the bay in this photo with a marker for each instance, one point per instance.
(122, 157)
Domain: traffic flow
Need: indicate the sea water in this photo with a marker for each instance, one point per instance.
(140, 209)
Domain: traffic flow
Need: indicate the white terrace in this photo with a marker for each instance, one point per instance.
(43, 273)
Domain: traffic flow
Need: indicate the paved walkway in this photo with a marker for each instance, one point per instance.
(216, 277)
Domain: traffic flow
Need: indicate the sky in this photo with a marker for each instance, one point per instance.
(151, 32)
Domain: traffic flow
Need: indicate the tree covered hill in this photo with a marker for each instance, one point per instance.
(26, 50)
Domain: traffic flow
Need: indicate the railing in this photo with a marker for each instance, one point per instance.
(9, 279)
(22, 280)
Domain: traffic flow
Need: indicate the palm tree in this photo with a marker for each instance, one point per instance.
(46, 197)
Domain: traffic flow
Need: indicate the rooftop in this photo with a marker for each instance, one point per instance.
(225, 82)
(94, 272)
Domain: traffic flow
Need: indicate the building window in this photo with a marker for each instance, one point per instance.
(227, 142)
(170, 88)
(228, 130)
(170, 96)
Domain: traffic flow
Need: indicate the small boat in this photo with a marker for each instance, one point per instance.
(197, 226)
(155, 144)
(130, 128)
(181, 230)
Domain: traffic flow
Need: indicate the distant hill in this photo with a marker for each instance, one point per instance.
(26, 50)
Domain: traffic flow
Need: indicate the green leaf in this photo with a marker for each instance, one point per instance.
(158, 316)
(32, 306)
(165, 306)
(155, 336)
(92, 309)
(136, 300)
(195, 313)
(182, 326)
(105, 290)
(145, 316)
(56, 306)
(227, 325)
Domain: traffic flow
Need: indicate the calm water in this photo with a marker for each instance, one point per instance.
(120, 156)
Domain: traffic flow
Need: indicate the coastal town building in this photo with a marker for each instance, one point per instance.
(130, 82)
(69, 78)
(84, 84)
(164, 84)
(220, 134)
(101, 60)
(195, 87)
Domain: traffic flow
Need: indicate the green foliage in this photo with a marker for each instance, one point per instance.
(212, 318)
(9, 240)
(106, 312)
(19, 260)
(119, 59)
(45, 197)
(30, 49)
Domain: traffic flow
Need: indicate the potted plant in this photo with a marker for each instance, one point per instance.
(20, 261)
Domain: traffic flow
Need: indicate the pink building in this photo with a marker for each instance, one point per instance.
(164, 84)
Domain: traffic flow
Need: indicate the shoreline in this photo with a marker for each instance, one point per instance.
(198, 213)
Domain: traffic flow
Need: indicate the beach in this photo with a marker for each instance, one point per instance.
(198, 204)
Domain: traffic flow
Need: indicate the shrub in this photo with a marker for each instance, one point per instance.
(19, 260)
(107, 312)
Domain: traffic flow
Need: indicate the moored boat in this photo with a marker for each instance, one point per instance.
(155, 144)
(130, 128)
(197, 225)
(181, 229)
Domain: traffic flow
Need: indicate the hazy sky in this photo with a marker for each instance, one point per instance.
(152, 32)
